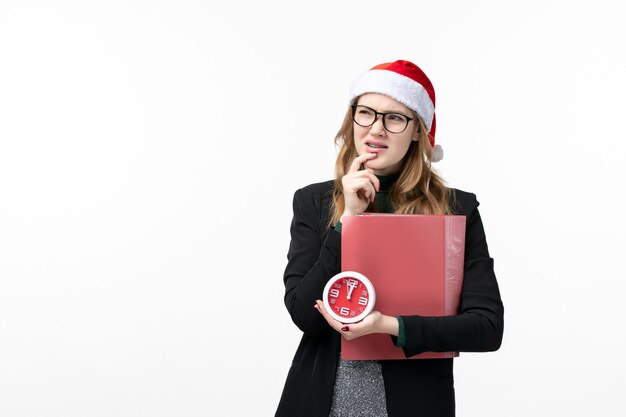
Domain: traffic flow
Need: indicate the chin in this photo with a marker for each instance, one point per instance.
(373, 165)
(376, 164)
(383, 169)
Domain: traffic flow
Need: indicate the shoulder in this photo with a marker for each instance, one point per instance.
(317, 190)
(463, 202)
(316, 194)
(315, 199)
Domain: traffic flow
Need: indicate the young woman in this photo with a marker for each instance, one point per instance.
(384, 164)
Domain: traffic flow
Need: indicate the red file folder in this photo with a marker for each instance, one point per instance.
(416, 265)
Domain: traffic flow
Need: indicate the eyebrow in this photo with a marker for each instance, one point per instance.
(386, 111)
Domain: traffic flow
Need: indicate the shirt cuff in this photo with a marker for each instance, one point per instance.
(400, 341)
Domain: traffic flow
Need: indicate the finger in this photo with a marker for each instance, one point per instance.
(354, 185)
(369, 191)
(333, 323)
(369, 174)
(358, 329)
(347, 330)
(364, 180)
(356, 164)
(375, 180)
(367, 195)
(366, 191)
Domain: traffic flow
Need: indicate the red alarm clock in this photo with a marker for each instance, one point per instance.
(349, 296)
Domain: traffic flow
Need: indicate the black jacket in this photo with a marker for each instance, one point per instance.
(423, 387)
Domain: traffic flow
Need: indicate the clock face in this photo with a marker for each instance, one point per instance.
(349, 297)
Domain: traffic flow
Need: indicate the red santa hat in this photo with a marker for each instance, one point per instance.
(406, 83)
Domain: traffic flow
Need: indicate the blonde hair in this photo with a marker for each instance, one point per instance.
(418, 189)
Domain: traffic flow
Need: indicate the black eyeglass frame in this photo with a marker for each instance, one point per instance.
(376, 113)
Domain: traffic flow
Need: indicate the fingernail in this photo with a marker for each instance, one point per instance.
(345, 328)
(316, 307)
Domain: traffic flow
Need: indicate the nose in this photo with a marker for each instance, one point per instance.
(377, 128)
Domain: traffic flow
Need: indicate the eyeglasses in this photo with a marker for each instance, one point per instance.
(392, 122)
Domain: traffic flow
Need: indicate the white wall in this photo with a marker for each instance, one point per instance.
(149, 152)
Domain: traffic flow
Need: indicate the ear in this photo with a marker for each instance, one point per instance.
(417, 135)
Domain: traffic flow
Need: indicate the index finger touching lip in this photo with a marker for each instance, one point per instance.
(356, 164)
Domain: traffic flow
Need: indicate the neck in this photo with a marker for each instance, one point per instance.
(387, 181)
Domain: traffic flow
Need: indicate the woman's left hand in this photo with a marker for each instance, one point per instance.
(374, 322)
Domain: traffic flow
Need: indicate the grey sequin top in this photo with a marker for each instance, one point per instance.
(359, 390)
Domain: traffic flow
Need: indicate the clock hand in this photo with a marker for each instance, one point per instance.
(351, 285)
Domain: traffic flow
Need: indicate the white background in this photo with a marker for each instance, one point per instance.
(149, 152)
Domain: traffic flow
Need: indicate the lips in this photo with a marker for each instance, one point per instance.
(375, 145)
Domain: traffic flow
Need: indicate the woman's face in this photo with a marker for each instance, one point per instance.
(389, 148)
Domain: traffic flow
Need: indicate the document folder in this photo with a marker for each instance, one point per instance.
(415, 263)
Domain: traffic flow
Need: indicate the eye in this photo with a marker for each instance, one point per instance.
(393, 117)
(365, 111)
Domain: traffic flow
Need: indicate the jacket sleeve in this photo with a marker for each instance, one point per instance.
(479, 325)
(311, 261)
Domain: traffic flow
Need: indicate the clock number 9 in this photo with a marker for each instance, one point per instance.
(334, 292)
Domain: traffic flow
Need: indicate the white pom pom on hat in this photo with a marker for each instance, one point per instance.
(437, 153)
(406, 83)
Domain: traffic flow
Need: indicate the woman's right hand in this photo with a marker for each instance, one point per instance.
(359, 186)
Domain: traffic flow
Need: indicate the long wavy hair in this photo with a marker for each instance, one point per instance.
(418, 189)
